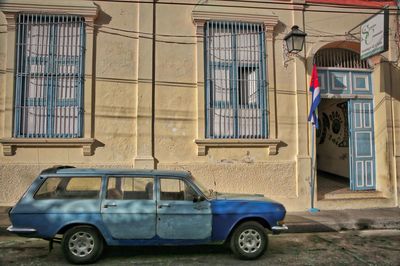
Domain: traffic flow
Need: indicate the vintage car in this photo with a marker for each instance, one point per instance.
(85, 209)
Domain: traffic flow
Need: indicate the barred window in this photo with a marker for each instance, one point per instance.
(235, 80)
(49, 76)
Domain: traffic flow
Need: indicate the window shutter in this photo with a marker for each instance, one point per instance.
(49, 76)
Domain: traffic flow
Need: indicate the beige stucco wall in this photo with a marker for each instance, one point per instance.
(233, 169)
(122, 94)
(112, 121)
(3, 51)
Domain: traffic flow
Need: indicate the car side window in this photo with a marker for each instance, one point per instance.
(69, 188)
(175, 189)
(130, 188)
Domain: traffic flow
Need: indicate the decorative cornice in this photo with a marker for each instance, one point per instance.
(10, 17)
(200, 17)
(73, 7)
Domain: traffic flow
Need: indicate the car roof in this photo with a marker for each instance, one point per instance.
(110, 171)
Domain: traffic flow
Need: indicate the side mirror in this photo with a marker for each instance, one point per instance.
(197, 198)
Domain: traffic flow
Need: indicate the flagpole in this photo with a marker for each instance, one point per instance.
(313, 118)
(312, 179)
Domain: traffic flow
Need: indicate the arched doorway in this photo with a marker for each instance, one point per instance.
(345, 140)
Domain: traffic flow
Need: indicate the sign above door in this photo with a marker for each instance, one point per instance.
(374, 34)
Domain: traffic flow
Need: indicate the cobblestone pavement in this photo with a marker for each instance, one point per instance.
(379, 247)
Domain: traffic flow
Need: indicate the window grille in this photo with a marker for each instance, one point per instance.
(235, 80)
(49, 76)
(338, 57)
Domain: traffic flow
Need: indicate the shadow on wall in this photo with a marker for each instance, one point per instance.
(390, 79)
(102, 17)
(281, 144)
(281, 28)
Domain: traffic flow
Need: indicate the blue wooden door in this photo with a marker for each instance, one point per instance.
(362, 145)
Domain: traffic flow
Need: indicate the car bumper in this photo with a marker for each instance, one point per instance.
(279, 228)
(20, 230)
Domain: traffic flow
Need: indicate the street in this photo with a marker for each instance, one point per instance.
(373, 247)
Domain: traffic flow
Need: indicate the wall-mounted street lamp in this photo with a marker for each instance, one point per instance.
(295, 40)
(293, 44)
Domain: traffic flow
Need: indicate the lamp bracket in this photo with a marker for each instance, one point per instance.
(287, 57)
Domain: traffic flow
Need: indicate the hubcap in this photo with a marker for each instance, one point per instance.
(81, 244)
(250, 241)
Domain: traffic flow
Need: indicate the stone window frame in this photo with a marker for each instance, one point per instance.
(200, 17)
(11, 8)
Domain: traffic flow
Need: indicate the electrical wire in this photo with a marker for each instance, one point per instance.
(306, 5)
(312, 32)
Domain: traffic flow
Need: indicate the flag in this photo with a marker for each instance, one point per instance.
(316, 98)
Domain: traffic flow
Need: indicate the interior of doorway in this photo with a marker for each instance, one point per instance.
(332, 147)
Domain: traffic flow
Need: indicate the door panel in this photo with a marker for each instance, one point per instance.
(339, 82)
(184, 220)
(361, 83)
(129, 208)
(178, 216)
(362, 146)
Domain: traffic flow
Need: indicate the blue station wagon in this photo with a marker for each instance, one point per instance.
(91, 208)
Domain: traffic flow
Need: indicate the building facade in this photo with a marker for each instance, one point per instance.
(204, 86)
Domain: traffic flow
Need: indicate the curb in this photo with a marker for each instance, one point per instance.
(335, 227)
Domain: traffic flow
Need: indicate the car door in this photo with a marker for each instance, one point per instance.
(129, 207)
(178, 216)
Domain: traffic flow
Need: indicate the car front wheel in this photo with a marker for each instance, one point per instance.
(249, 241)
(82, 244)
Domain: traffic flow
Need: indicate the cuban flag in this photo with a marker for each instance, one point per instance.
(316, 98)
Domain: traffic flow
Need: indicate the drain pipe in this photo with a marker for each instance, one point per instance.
(153, 83)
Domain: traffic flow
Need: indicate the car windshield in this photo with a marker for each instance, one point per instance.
(209, 193)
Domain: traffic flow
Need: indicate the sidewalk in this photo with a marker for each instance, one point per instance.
(339, 220)
(304, 222)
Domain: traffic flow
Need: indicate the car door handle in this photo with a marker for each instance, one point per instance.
(110, 205)
(166, 205)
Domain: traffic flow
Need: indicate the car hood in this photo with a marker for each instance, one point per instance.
(239, 196)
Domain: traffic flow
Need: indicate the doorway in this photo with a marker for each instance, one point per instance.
(345, 156)
(332, 142)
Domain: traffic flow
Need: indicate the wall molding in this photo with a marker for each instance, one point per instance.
(204, 144)
(11, 144)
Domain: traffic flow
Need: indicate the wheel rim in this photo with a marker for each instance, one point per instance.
(81, 244)
(250, 241)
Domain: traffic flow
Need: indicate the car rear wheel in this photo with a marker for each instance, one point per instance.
(249, 241)
(82, 244)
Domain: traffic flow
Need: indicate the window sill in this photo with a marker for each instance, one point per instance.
(11, 144)
(204, 144)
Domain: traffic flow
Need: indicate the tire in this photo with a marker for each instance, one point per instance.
(249, 241)
(82, 244)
